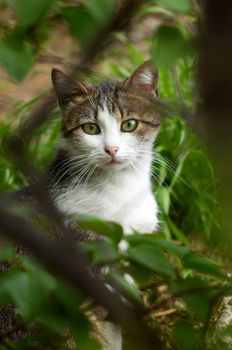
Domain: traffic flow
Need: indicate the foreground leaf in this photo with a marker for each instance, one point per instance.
(30, 12)
(106, 228)
(151, 258)
(169, 45)
(16, 56)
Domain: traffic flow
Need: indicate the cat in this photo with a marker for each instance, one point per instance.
(103, 165)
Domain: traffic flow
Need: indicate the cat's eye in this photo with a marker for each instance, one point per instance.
(129, 125)
(91, 128)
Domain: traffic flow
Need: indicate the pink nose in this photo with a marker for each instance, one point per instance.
(111, 151)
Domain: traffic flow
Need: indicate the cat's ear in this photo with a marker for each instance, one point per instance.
(144, 79)
(66, 87)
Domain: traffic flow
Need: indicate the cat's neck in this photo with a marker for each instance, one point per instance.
(123, 196)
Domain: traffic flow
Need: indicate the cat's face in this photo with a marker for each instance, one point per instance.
(112, 125)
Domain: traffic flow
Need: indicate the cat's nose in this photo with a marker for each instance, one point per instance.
(111, 151)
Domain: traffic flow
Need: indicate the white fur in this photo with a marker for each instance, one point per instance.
(114, 336)
(146, 77)
(125, 199)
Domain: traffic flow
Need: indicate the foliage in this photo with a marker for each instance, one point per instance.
(185, 185)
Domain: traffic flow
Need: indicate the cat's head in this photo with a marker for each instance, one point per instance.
(112, 124)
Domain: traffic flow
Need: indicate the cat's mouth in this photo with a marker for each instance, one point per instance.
(113, 161)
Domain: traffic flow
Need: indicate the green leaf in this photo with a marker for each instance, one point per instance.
(128, 288)
(52, 316)
(169, 45)
(225, 332)
(101, 10)
(5, 297)
(29, 289)
(204, 265)
(151, 258)
(6, 252)
(18, 286)
(81, 23)
(185, 336)
(176, 232)
(39, 277)
(100, 252)
(155, 9)
(196, 294)
(69, 298)
(30, 12)
(156, 241)
(106, 228)
(184, 6)
(16, 56)
(139, 273)
(89, 343)
(164, 198)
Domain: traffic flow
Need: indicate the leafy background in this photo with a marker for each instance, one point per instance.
(177, 274)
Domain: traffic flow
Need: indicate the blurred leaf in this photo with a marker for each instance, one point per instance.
(156, 241)
(16, 56)
(5, 297)
(18, 286)
(177, 232)
(196, 293)
(199, 263)
(163, 197)
(152, 258)
(225, 332)
(106, 228)
(81, 24)
(29, 290)
(90, 344)
(128, 288)
(6, 252)
(177, 5)
(30, 12)
(52, 317)
(169, 45)
(185, 336)
(172, 248)
(100, 252)
(140, 274)
(155, 9)
(69, 298)
(101, 10)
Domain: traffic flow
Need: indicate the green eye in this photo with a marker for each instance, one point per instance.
(91, 128)
(129, 125)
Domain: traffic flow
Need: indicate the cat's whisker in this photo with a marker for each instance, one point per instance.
(173, 171)
(66, 168)
(91, 171)
(165, 129)
(66, 161)
(80, 176)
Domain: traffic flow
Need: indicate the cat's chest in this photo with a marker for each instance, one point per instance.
(130, 203)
